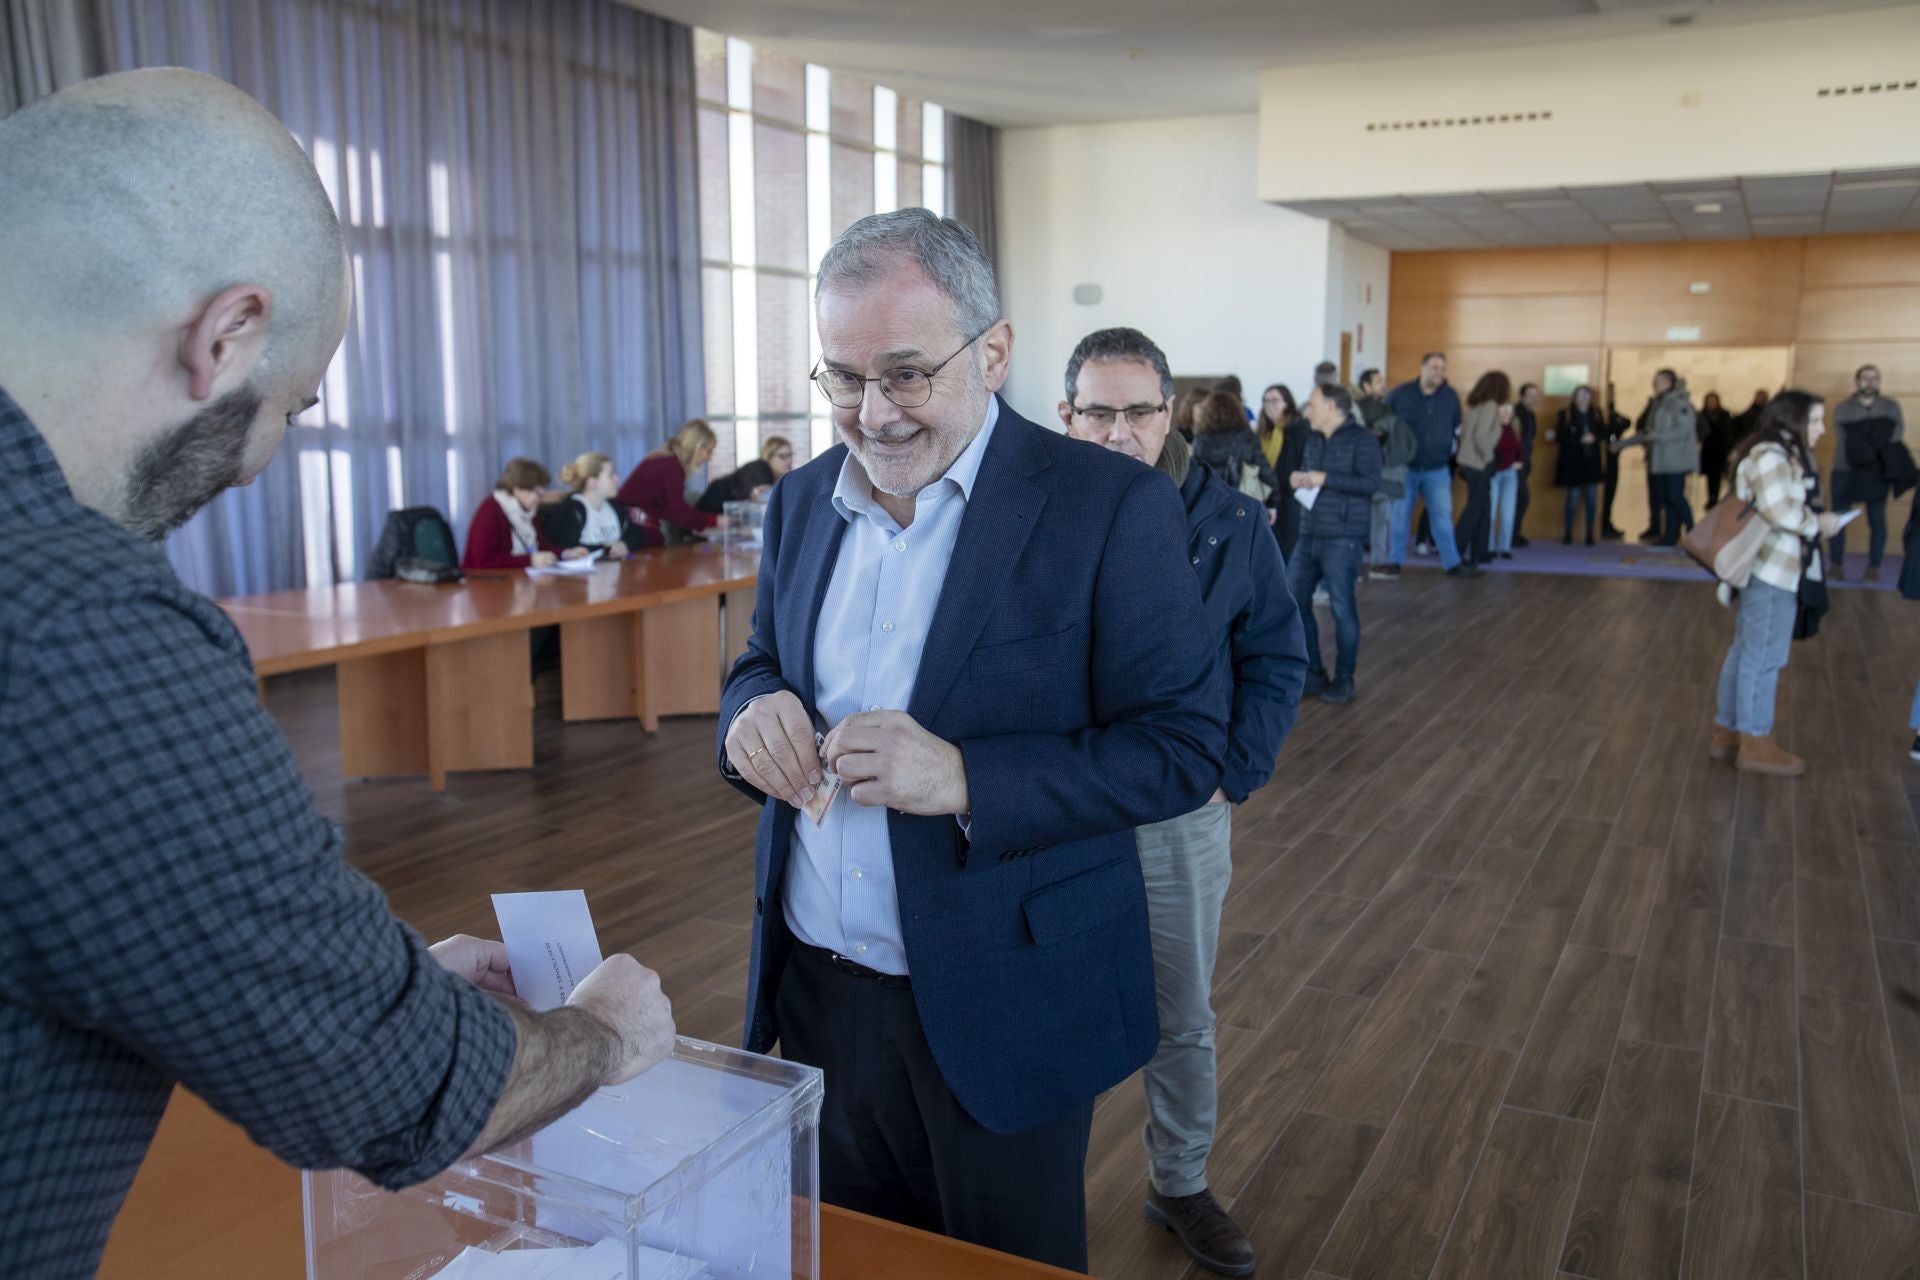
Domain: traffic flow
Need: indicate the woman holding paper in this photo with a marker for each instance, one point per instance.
(589, 518)
(1773, 469)
(502, 534)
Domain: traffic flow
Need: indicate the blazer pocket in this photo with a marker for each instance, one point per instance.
(1082, 903)
(995, 657)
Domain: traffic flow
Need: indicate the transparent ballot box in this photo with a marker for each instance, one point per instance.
(746, 523)
(704, 1168)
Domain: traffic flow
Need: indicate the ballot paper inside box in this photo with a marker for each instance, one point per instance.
(704, 1167)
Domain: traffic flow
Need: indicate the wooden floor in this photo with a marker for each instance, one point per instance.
(1513, 982)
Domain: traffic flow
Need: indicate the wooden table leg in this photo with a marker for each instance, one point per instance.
(597, 671)
(383, 715)
(479, 705)
(676, 672)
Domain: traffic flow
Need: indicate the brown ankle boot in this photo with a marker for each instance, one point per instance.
(1725, 744)
(1763, 755)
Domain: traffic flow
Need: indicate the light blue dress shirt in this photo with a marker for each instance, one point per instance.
(839, 891)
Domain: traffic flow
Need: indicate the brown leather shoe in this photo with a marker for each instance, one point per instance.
(1725, 744)
(1210, 1237)
(1763, 755)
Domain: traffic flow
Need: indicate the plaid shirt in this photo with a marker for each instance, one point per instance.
(1777, 488)
(176, 910)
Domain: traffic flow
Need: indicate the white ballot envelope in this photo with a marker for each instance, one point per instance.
(1308, 496)
(550, 943)
(1848, 518)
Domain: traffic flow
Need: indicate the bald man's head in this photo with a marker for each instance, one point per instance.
(171, 265)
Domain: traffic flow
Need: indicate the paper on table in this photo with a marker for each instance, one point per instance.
(550, 943)
(579, 564)
(606, 1260)
(1308, 496)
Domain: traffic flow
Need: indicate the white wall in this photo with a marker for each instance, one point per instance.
(1356, 300)
(1712, 99)
(1162, 215)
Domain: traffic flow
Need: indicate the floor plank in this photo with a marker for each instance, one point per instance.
(1515, 1211)
(1760, 885)
(1855, 1141)
(1836, 942)
(1377, 1065)
(1847, 1241)
(1506, 990)
(1673, 988)
(1398, 1216)
(1743, 1213)
(1564, 1067)
(1630, 1218)
(1296, 1194)
(1753, 1051)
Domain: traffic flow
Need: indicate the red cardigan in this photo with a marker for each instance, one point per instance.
(657, 490)
(490, 539)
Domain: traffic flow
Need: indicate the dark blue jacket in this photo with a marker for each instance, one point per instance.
(1435, 420)
(1351, 459)
(1245, 602)
(1063, 662)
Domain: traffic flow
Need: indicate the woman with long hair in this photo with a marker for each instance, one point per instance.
(1717, 436)
(588, 516)
(1479, 443)
(1184, 408)
(655, 492)
(1773, 469)
(1580, 431)
(1278, 412)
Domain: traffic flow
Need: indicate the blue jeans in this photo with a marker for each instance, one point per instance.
(1506, 496)
(1336, 563)
(1762, 637)
(1914, 719)
(1671, 513)
(1436, 487)
(1577, 494)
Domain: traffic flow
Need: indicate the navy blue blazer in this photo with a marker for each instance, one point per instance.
(1064, 662)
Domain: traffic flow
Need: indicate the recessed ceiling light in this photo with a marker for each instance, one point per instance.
(1706, 208)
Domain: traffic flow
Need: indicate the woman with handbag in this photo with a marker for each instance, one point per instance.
(1773, 470)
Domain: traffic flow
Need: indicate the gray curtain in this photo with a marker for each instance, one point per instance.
(48, 44)
(517, 185)
(973, 166)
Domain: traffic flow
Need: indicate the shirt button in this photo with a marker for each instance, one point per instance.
(1213, 542)
(899, 546)
(886, 626)
(1240, 511)
(855, 873)
(862, 948)
(874, 707)
(1196, 559)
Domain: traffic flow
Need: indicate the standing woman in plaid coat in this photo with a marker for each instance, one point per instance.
(1773, 469)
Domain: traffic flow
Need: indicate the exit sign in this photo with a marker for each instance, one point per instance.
(1684, 333)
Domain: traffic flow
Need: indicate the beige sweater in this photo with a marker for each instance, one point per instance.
(1480, 436)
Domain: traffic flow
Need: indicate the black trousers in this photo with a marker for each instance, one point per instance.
(1522, 499)
(1611, 483)
(1671, 513)
(1876, 533)
(896, 1144)
(1474, 528)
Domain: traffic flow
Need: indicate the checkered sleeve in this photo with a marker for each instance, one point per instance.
(172, 889)
(1779, 494)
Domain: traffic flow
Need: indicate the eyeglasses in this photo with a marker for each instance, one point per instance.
(905, 385)
(1137, 415)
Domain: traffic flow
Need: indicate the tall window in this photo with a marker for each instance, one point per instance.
(790, 156)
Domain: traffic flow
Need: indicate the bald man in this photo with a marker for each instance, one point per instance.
(172, 285)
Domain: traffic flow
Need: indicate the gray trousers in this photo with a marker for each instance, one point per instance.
(1380, 543)
(1188, 863)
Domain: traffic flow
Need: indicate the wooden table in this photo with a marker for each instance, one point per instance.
(433, 679)
(207, 1202)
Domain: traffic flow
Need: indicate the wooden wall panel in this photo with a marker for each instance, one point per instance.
(1856, 260)
(1521, 363)
(1754, 302)
(1479, 320)
(1499, 271)
(1827, 367)
(1861, 313)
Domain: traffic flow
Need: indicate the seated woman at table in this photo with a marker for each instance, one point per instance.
(752, 482)
(502, 534)
(588, 517)
(655, 493)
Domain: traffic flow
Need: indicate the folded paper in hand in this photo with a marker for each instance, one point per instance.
(1308, 496)
(550, 944)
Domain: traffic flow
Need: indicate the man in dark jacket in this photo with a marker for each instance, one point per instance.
(1432, 408)
(1860, 422)
(1526, 420)
(1336, 486)
(1118, 395)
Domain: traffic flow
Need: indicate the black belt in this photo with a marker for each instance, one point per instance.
(852, 968)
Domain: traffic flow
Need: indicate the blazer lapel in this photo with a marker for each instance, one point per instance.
(818, 549)
(1001, 516)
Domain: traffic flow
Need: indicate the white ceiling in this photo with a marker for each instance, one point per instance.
(1801, 205)
(1026, 62)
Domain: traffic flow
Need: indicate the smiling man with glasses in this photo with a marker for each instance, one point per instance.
(989, 627)
(1119, 394)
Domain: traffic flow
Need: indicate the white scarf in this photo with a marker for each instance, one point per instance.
(602, 528)
(525, 540)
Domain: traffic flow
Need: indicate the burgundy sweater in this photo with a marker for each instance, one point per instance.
(657, 490)
(490, 540)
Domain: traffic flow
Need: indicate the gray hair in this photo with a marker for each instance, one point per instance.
(943, 248)
(1336, 395)
(1118, 344)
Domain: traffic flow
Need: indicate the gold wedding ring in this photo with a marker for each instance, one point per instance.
(756, 751)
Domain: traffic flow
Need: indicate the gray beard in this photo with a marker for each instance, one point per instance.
(190, 465)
